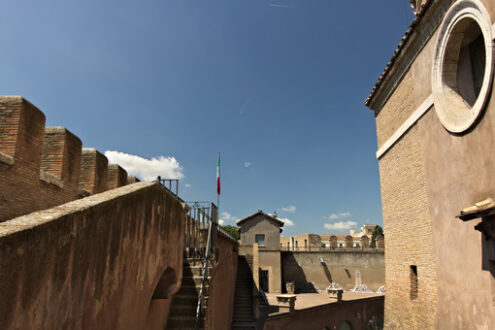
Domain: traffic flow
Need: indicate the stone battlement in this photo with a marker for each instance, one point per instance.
(42, 167)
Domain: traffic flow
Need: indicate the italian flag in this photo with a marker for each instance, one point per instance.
(218, 174)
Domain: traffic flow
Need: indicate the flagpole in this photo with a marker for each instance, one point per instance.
(218, 191)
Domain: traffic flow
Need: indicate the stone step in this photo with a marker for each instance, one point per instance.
(181, 322)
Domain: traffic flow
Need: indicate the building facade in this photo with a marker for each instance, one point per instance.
(435, 120)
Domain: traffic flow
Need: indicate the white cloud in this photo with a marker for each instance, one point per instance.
(226, 216)
(290, 208)
(287, 222)
(187, 185)
(147, 169)
(339, 215)
(247, 164)
(340, 225)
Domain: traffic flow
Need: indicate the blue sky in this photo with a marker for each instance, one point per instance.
(276, 85)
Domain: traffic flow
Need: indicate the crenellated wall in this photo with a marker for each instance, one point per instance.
(42, 167)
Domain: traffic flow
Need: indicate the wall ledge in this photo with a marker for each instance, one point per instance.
(6, 159)
(51, 179)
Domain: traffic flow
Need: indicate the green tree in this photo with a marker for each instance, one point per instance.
(232, 231)
(377, 231)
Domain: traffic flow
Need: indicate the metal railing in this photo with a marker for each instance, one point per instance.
(171, 184)
(201, 235)
(327, 248)
(199, 238)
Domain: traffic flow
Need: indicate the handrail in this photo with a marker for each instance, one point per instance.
(210, 246)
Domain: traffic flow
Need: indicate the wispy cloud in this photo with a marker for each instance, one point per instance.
(278, 5)
(340, 225)
(335, 216)
(147, 169)
(290, 208)
(244, 107)
(226, 216)
(247, 164)
(287, 222)
(187, 185)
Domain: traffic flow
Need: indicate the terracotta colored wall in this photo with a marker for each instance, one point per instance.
(92, 263)
(339, 267)
(357, 312)
(41, 167)
(222, 291)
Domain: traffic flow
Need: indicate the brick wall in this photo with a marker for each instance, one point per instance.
(41, 167)
(409, 238)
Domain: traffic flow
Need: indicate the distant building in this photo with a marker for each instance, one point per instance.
(261, 228)
(315, 241)
(264, 229)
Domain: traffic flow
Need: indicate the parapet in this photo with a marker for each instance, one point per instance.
(42, 167)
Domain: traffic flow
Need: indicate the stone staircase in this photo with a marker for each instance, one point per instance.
(182, 313)
(243, 304)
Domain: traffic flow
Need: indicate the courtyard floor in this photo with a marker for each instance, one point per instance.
(307, 300)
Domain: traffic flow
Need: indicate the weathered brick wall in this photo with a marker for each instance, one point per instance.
(427, 177)
(44, 167)
(95, 263)
(409, 238)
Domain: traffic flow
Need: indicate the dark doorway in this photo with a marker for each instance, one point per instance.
(263, 274)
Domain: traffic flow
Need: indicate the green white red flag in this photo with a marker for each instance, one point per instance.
(218, 174)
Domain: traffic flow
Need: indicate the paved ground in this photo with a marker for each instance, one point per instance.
(306, 300)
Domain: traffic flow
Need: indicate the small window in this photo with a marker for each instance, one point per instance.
(414, 281)
(260, 239)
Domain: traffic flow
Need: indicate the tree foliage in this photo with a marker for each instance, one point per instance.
(377, 231)
(232, 230)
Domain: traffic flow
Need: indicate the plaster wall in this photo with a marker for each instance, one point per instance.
(339, 267)
(271, 261)
(261, 225)
(94, 263)
(427, 177)
(357, 313)
(222, 291)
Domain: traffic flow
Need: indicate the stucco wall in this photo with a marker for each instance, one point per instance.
(357, 312)
(93, 263)
(222, 290)
(427, 177)
(261, 225)
(339, 267)
(271, 261)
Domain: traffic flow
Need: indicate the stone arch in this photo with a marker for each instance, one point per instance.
(333, 241)
(348, 241)
(365, 242)
(167, 286)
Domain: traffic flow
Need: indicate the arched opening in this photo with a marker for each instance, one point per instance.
(167, 285)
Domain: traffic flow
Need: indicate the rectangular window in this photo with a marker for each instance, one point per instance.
(414, 281)
(260, 239)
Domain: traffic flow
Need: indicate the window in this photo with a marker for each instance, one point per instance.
(462, 65)
(413, 270)
(260, 239)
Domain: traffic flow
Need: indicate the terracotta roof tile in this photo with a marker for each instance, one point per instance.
(398, 51)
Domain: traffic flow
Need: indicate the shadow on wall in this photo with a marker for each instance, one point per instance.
(295, 272)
